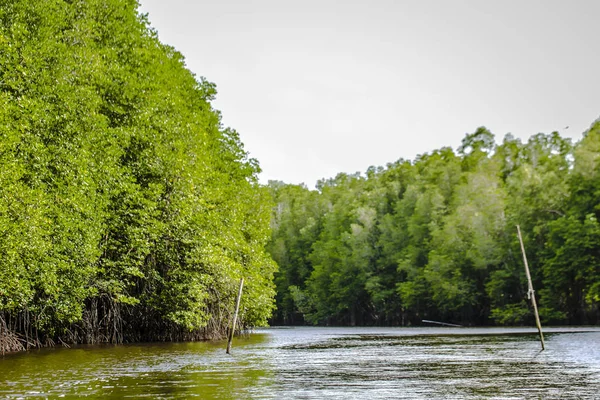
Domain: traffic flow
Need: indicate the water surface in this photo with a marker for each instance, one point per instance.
(316, 363)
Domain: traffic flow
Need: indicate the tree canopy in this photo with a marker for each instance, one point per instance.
(435, 238)
(127, 211)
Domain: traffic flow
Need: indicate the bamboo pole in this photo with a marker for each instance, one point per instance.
(235, 314)
(530, 291)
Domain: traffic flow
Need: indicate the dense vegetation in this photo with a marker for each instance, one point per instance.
(127, 211)
(436, 238)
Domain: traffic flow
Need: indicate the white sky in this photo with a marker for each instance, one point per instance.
(320, 87)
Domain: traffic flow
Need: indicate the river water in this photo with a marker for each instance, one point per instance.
(317, 363)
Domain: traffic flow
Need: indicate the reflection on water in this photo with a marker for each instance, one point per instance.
(322, 363)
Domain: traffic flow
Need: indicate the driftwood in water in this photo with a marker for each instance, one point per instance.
(441, 323)
(530, 291)
(235, 314)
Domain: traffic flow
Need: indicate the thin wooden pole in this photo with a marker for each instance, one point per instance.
(530, 291)
(440, 323)
(235, 314)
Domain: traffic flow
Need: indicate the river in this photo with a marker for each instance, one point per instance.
(317, 363)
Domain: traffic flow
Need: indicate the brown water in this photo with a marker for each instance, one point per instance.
(316, 363)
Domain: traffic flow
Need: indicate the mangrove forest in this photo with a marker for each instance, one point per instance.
(129, 212)
(436, 238)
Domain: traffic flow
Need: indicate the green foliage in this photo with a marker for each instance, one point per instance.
(511, 314)
(125, 207)
(436, 238)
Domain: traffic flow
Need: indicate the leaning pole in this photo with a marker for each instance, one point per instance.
(530, 291)
(235, 314)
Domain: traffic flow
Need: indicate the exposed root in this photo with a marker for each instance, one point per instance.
(9, 340)
(106, 321)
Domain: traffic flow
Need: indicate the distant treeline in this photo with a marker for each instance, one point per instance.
(127, 211)
(436, 238)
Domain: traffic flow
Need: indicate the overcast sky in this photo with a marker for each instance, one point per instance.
(317, 87)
